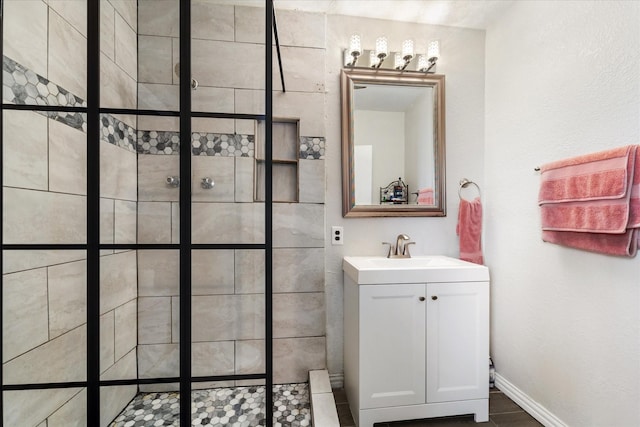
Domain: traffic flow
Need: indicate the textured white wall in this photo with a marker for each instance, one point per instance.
(462, 61)
(562, 79)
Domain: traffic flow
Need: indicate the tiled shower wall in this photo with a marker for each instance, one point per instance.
(228, 285)
(44, 169)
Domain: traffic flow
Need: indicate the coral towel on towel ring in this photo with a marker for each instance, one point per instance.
(592, 202)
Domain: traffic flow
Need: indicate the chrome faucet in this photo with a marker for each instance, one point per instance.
(401, 249)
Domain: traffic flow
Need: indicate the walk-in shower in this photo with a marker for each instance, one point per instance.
(159, 240)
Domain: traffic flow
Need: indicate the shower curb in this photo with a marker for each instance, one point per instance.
(323, 406)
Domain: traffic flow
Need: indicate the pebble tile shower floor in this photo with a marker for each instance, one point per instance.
(238, 406)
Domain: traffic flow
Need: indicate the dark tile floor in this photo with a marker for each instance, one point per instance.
(503, 412)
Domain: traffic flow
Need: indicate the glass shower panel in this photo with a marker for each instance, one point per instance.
(53, 407)
(44, 310)
(158, 77)
(44, 177)
(45, 59)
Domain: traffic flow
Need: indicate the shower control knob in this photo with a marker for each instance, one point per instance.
(434, 297)
(422, 298)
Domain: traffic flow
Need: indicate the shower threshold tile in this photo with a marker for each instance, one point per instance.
(238, 406)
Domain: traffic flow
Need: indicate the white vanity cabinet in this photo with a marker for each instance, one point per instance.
(416, 350)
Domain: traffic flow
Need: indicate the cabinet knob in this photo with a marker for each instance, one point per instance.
(422, 298)
(434, 297)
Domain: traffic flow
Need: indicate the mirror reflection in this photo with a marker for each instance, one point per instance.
(393, 143)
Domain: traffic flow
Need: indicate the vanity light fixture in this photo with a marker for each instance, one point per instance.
(355, 49)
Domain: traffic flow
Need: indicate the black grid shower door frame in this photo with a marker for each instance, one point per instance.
(92, 247)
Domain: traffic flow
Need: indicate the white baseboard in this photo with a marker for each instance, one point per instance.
(536, 410)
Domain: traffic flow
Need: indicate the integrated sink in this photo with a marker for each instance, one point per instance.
(369, 270)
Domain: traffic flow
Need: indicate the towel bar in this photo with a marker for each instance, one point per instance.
(464, 183)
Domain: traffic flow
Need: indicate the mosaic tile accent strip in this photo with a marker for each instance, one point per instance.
(24, 87)
(117, 132)
(239, 406)
(224, 145)
(158, 142)
(312, 147)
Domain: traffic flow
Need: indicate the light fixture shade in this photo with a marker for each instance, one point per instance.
(355, 46)
(382, 49)
(433, 51)
(423, 63)
(407, 49)
(398, 62)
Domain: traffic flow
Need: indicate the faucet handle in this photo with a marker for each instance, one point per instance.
(390, 248)
(405, 252)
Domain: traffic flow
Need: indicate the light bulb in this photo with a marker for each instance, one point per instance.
(373, 59)
(381, 47)
(407, 49)
(433, 51)
(355, 46)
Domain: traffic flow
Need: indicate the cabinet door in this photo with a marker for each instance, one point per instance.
(457, 341)
(392, 345)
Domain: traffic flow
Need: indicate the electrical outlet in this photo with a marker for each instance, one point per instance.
(337, 235)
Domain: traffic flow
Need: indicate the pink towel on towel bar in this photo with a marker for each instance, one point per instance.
(469, 229)
(592, 202)
(425, 196)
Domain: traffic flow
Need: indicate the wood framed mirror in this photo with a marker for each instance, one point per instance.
(393, 143)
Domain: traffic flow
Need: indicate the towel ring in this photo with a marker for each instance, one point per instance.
(464, 183)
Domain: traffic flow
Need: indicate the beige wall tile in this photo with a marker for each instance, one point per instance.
(118, 89)
(246, 70)
(212, 272)
(158, 96)
(68, 71)
(251, 101)
(221, 171)
(208, 125)
(249, 23)
(175, 222)
(212, 358)
(244, 179)
(107, 30)
(25, 150)
(107, 337)
(306, 106)
(158, 272)
(304, 29)
(250, 357)
(245, 127)
(14, 261)
(154, 320)
(285, 183)
(154, 222)
(24, 315)
(67, 297)
(293, 358)
(312, 181)
(125, 219)
(298, 270)
(158, 360)
(228, 317)
(126, 47)
(114, 399)
(25, 34)
(71, 414)
(124, 368)
(298, 225)
(228, 222)
(39, 217)
(298, 315)
(212, 99)
(249, 271)
(118, 279)
(59, 360)
(159, 17)
(67, 159)
(118, 175)
(153, 171)
(72, 11)
(106, 221)
(298, 76)
(128, 9)
(175, 319)
(126, 319)
(158, 123)
(155, 64)
(212, 21)
(31, 407)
